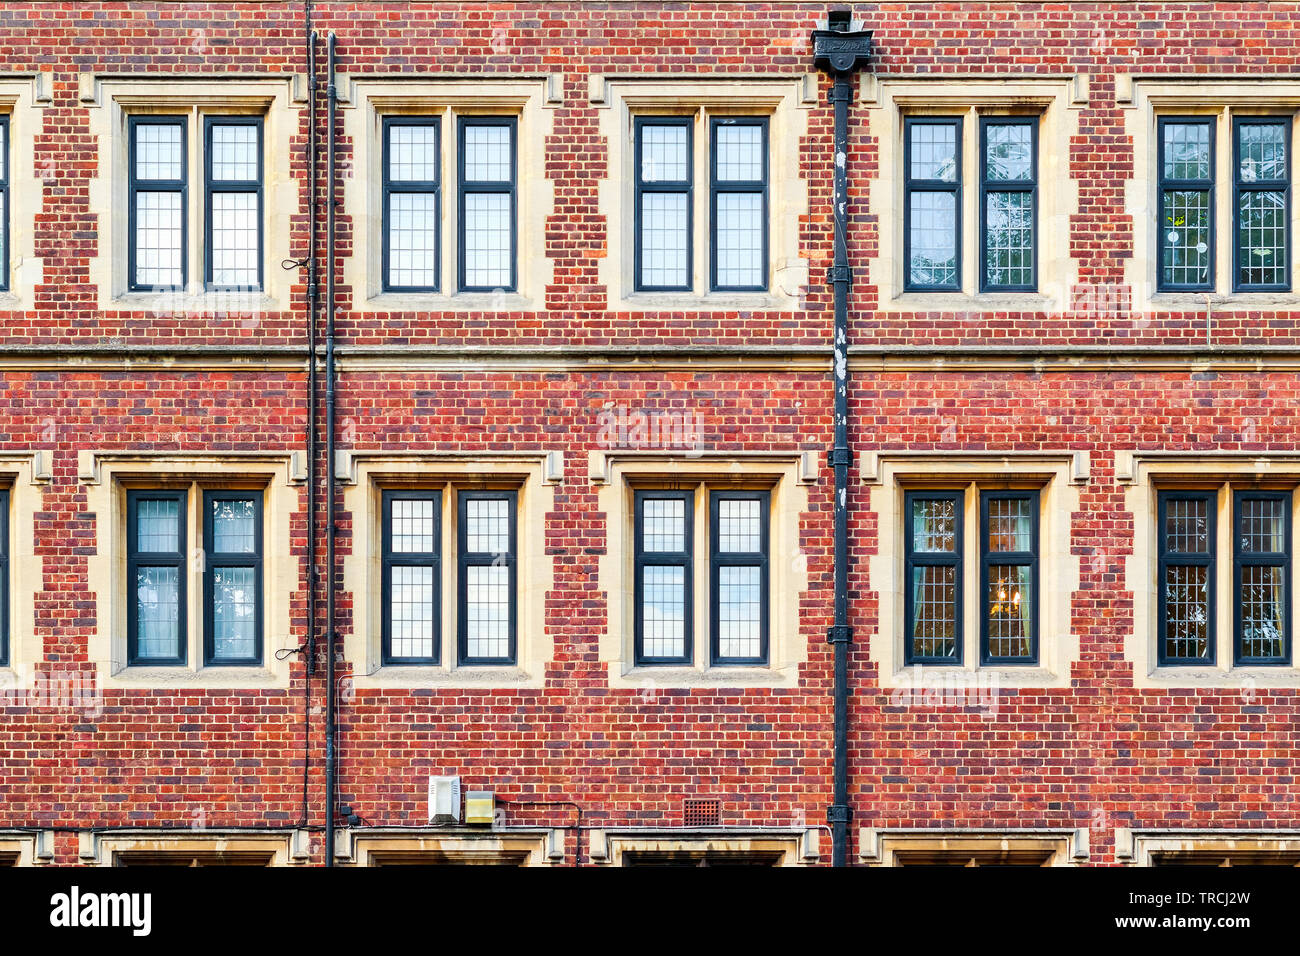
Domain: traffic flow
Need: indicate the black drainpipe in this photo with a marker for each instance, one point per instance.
(313, 304)
(330, 693)
(840, 51)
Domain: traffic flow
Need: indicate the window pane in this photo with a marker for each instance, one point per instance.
(487, 240)
(157, 595)
(411, 611)
(234, 613)
(1009, 249)
(1185, 258)
(235, 250)
(1010, 525)
(234, 528)
(1187, 611)
(663, 525)
(1186, 150)
(663, 611)
(487, 154)
(234, 153)
(934, 525)
(738, 611)
(1261, 238)
(1263, 526)
(157, 526)
(158, 151)
(1009, 152)
(158, 230)
(934, 151)
(934, 613)
(664, 154)
(4, 151)
(413, 153)
(740, 528)
(933, 231)
(487, 610)
(412, 525)
(663, 239)
(1262, 152)
(1011, 611)
(740, 154)
(413, 239)
(1263, 627)
(1187, 526)
(740, 239)
(487, 529)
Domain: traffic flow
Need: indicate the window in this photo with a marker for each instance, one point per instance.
(4, 577)
(1008, 588)
(411, 577)
(738, 203)
(1186, 590)
(158, 569)
(1009, 204)
(233, 223)
(487, 172)
(1186, 164)
(4, 203)
(1261, 576)
(932, 203)
(487, 590)
(156, 202)
(412, 213)
(738, 582)
(1262, 200)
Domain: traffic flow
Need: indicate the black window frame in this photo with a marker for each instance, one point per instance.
(465, 560)
(911, 186)
(6, 221)
(135, 186)
(465, 187)
(211, 187)
(913, 559)
(1276, 185)
(684, 187)
(136, 559)
(6, 609)
(1164, 185)
(390, 559)
(990, 558)
(684, 559)
(988, 186)
(213, 560)
(1242, 558)
(719, 559)
(422, 187)
(746, 187)
(1200, 559)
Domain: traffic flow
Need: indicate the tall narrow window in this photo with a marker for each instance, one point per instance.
(4, 577)
(232, 577)
(487, 203)
(4, 203)
(1186, 584)
(1009, 207)
(412, 203)
(932, 582)
(411, 577)
(1262, 199)
(663, 204)
(1186, 161)
(663, 572)
(738, 584)
(487, 590)
(1009, 566)
(155, 573)
(156, 203)
(738, 204)
(932, 203)
(1261, 577)
(233, 213)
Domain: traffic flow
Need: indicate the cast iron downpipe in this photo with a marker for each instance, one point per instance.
(841, 51)
(313, 304)
(331, 743)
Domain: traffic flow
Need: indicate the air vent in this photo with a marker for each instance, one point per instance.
(701, 813)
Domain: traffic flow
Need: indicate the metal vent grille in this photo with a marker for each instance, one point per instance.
(701, 813)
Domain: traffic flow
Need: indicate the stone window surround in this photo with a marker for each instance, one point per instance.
(785, 100)
(364, 476)
(1140, 847)
(109, 99)
(1143, 100)
(23, 98)
(617, 474)
(365, 101)
(512, 846)
(1058, 475)
(26, 847)
(791, 846)
(1060, 846)
(25, 476)
(283, 848)
(106, 477)
(888, 99)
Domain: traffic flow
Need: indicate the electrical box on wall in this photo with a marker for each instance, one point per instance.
(480, 806)
(444, 799)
